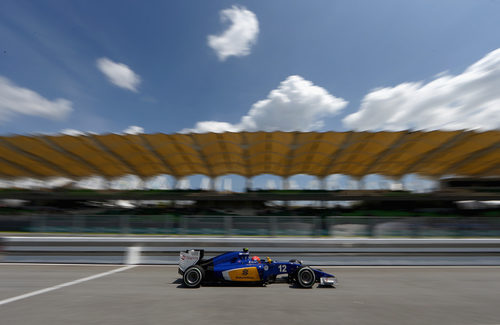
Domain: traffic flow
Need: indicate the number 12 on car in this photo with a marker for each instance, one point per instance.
(282, 268)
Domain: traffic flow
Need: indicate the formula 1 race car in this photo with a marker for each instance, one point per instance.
(238, 267)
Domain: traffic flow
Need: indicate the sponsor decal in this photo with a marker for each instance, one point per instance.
(243, 274)
(188, 259)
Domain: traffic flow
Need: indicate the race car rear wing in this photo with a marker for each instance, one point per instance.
(190, 257)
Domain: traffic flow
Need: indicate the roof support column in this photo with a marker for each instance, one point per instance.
(286, 183)
(356, 183)
(403, 185)
(141, 184)
(362, 183)
(434, 180)
(323, 186)
(107, 182)
(248, 184)
(111, 182)
(286, 186)
(211, 183)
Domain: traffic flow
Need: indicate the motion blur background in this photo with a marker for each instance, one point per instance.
(344, 133)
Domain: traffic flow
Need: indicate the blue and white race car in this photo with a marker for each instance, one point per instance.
(238, 267)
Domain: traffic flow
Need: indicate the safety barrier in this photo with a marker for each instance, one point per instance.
(318, 251)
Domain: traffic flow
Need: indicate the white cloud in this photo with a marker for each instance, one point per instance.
(238, 38)
(470, 100)
(213, 126)
(119, 74)
(133, 129)
(17, 100)
(72, 132)
(296, 105)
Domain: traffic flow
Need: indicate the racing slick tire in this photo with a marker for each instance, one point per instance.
(305, 277)
(193, 276)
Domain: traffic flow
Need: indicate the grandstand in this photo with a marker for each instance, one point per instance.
(473, 156)
(357, 154)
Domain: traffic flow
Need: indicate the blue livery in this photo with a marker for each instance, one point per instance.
(238, 267)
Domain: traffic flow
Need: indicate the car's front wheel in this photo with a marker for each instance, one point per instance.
(193, 276)
(306, 277)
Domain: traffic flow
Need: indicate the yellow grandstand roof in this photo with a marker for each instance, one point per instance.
(436, 153)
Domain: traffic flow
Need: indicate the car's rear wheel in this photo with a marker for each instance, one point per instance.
(193, 276)
(306, 277)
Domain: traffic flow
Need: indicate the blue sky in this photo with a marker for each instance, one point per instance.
(347, 48)
(177, 66)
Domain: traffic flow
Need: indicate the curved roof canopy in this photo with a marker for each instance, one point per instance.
(395, 154)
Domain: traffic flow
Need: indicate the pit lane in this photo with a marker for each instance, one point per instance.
(153, 295)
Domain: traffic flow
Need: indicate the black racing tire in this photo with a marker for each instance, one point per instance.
(305, 277)
(193, 276)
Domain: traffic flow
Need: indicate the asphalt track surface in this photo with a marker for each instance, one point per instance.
(152, 295)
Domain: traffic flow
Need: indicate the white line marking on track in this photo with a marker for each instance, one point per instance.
(62, 285)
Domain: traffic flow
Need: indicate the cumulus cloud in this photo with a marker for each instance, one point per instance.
(17, 100)
(239, 37)
(296, 105)
(119, 74)
(133, 129)
(470, 100)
